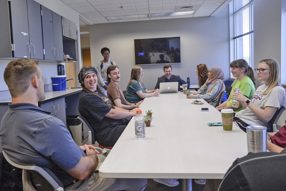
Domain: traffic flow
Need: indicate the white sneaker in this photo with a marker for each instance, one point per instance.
(167, 182)
(200, 181)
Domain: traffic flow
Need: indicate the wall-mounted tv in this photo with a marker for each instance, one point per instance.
(157, 50)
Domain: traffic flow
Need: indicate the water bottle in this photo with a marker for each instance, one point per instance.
(188, 83)
(235, 103)
(256, 138)
(139, 125)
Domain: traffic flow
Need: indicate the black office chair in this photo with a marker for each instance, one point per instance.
(49, 181)
(88, 133)
(280, 119)
(256, 172)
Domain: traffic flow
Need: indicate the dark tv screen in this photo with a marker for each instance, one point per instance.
(157, 50)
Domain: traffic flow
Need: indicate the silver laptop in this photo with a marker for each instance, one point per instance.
(169, 87)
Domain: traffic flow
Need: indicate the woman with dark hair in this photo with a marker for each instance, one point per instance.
(267, 99)
(135, 89)
(244, 83)
(114, 92)
(202, 72)
(212, 88)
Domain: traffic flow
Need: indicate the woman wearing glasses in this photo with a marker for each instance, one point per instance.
(244, 83)
(267, 99)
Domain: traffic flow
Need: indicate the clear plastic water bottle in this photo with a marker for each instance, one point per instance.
(235, 103)
(139, 125)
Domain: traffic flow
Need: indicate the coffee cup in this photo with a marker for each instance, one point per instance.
(227, 119)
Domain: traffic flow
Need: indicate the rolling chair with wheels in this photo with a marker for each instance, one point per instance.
(51, 182)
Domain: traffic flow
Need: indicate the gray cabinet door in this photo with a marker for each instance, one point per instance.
(20, 31)
(47, 22)
(58, 37)
(52, 35)
(35, 29)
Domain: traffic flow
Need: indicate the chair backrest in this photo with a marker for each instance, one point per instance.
(277, 120)
(88, 132)
(259, 171)
(280, 119)
(26, 181)
(219, 99)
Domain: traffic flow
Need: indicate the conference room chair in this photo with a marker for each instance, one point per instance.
(277, 121)
(280, 119)
(220, 96)
(46, 179)
(256, 172)
(89, 133)
(228, 83)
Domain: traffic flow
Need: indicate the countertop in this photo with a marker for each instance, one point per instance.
(51, 95)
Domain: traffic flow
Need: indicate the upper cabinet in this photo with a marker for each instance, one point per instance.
(69, 29)
(52, 35)
(29, 30)
(22, 29)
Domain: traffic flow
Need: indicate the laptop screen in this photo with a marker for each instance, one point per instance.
(169, 87)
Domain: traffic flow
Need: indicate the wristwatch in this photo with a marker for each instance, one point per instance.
(247, 102)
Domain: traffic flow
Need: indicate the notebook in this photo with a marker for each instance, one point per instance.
(169, 87)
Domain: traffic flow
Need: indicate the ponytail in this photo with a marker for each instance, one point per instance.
(250, 74)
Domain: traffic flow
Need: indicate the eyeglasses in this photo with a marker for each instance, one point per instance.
(261, 69)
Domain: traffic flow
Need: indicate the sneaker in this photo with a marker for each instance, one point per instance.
(200, 181)
(167, 182)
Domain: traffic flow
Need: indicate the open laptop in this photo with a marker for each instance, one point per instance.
(169, 87)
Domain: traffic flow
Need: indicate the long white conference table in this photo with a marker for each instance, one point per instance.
(179, 143)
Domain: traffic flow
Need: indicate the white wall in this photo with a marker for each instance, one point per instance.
(268, 39)
(203, 40)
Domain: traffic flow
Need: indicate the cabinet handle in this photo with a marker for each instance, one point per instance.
(32, 50)
(28, 51)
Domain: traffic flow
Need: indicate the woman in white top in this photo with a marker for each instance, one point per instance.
(267, 99)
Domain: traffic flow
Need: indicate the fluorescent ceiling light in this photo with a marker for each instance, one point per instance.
(124, 17)
(84, 32)
(182, 13)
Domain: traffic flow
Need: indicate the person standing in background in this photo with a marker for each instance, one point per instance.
(103, 65)
(202, 72)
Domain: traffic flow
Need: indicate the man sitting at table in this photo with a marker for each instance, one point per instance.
(108, 121)
(169, 77)
(30, 135)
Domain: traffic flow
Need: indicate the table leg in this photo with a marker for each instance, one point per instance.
(187, 185)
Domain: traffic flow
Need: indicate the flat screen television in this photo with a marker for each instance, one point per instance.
(157, 50)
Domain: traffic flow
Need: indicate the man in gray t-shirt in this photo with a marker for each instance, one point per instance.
(30, 135)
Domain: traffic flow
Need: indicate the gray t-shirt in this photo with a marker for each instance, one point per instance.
(275, 98)
(30, 135)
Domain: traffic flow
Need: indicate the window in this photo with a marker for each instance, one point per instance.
(241, 30)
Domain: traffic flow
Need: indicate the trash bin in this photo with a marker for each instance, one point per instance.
(75, 127)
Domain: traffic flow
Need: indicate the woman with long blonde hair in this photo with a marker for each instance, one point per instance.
(267, 99)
